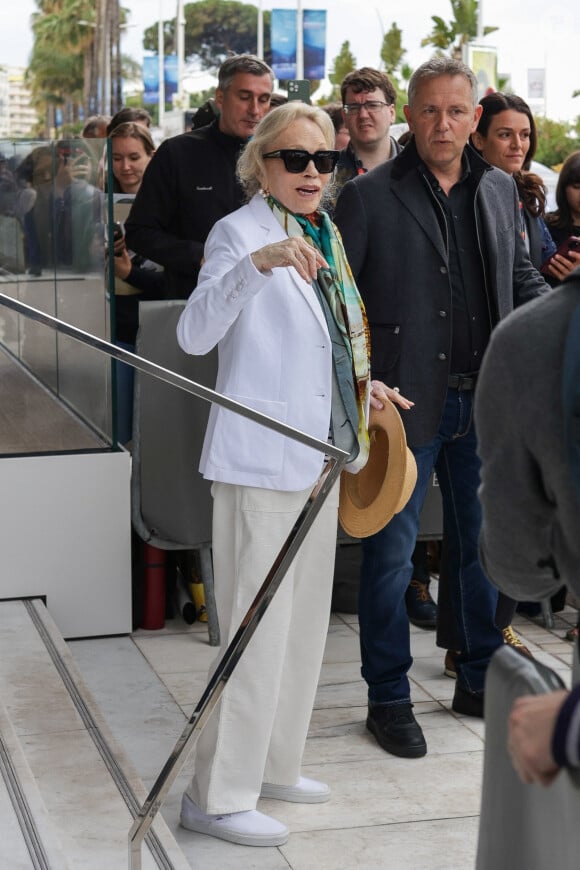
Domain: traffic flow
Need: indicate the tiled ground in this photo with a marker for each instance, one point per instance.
(385, 812)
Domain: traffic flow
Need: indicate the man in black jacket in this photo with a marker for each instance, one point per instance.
(432, 240)
(191, 182)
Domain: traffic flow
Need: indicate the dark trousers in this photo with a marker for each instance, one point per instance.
(387, 568)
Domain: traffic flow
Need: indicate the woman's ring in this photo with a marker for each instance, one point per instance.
(396, 390)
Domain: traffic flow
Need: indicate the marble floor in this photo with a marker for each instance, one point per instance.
(387, 812)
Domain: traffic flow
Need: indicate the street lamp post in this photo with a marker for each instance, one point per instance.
(299, 41)
(180, 23)
(260, 46)
(115, 55)
(161, 56)
(105, 59)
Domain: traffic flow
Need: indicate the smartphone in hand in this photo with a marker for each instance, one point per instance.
(572, 243)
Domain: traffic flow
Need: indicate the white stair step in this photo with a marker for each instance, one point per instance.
(28, 836)
(83, 781)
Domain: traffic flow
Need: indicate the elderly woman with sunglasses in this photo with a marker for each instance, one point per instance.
(276, 295)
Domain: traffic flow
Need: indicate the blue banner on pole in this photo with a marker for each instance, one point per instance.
(171, 76)
(314, 32)
(283, 42)
(283, 38)
(151, 80)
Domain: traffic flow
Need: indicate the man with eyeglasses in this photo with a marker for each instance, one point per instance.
(368, 105)
(431, 239)
(191, 181)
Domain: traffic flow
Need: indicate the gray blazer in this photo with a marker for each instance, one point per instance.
(399, 259)
(530, 510)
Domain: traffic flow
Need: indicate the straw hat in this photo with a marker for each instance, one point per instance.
(369, 499)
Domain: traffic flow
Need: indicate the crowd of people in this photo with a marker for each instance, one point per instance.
(338, 269)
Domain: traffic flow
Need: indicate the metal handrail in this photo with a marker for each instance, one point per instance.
(337, 459)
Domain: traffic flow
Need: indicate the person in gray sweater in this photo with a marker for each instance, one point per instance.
(530, 496)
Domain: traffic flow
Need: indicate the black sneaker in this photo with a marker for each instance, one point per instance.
(466, 702)
(396, 730)
(421, 609)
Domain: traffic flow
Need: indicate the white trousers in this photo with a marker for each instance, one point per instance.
(258, 730)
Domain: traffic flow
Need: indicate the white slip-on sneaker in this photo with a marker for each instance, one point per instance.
(249, 828)
(306, 791)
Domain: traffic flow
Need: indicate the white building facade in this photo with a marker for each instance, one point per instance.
(17, 116)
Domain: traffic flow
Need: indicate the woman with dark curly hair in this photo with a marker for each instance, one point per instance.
(506, 137)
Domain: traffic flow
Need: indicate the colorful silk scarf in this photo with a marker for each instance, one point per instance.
(345, 304)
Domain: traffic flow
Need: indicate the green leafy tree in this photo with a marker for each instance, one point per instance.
(214, 29)
(392, 51)
(453, 35)
(392, 55)
(556, 140)
(61, 57)
(343, 63)
(131, 69)
(74, 41)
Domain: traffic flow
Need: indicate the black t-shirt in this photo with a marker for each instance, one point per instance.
(472, 318)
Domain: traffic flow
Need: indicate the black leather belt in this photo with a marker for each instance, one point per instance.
(463, 382)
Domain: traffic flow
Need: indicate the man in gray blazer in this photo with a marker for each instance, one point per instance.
(432, 240)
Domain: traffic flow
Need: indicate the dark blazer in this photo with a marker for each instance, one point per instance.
(535, 240)
(188, 186)
(398, 255)
(541, 244)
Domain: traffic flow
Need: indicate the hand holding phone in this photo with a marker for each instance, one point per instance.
(572, 243)
(118, 238)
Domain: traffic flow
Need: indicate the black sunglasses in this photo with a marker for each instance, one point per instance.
(297, 159)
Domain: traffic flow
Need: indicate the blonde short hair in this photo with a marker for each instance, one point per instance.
(251, 168)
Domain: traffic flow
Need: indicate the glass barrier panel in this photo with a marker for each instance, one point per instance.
(52, 257)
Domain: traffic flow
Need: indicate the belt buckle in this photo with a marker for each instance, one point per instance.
(466, 382)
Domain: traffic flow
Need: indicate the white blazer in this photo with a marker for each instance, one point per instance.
(274, 355)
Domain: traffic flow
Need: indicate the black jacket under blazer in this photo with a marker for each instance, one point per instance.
(399, 259)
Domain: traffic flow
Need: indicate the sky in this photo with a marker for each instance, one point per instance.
(533, 35)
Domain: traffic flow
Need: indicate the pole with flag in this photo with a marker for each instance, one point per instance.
(299, 41)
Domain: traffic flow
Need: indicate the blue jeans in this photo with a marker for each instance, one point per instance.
(125, 389)
(387, 568)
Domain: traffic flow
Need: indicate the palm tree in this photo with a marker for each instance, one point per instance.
(58, 72)
(76, 56)
(454, 35)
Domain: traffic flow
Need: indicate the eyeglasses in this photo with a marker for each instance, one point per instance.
(297, 159)
(372, 106)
